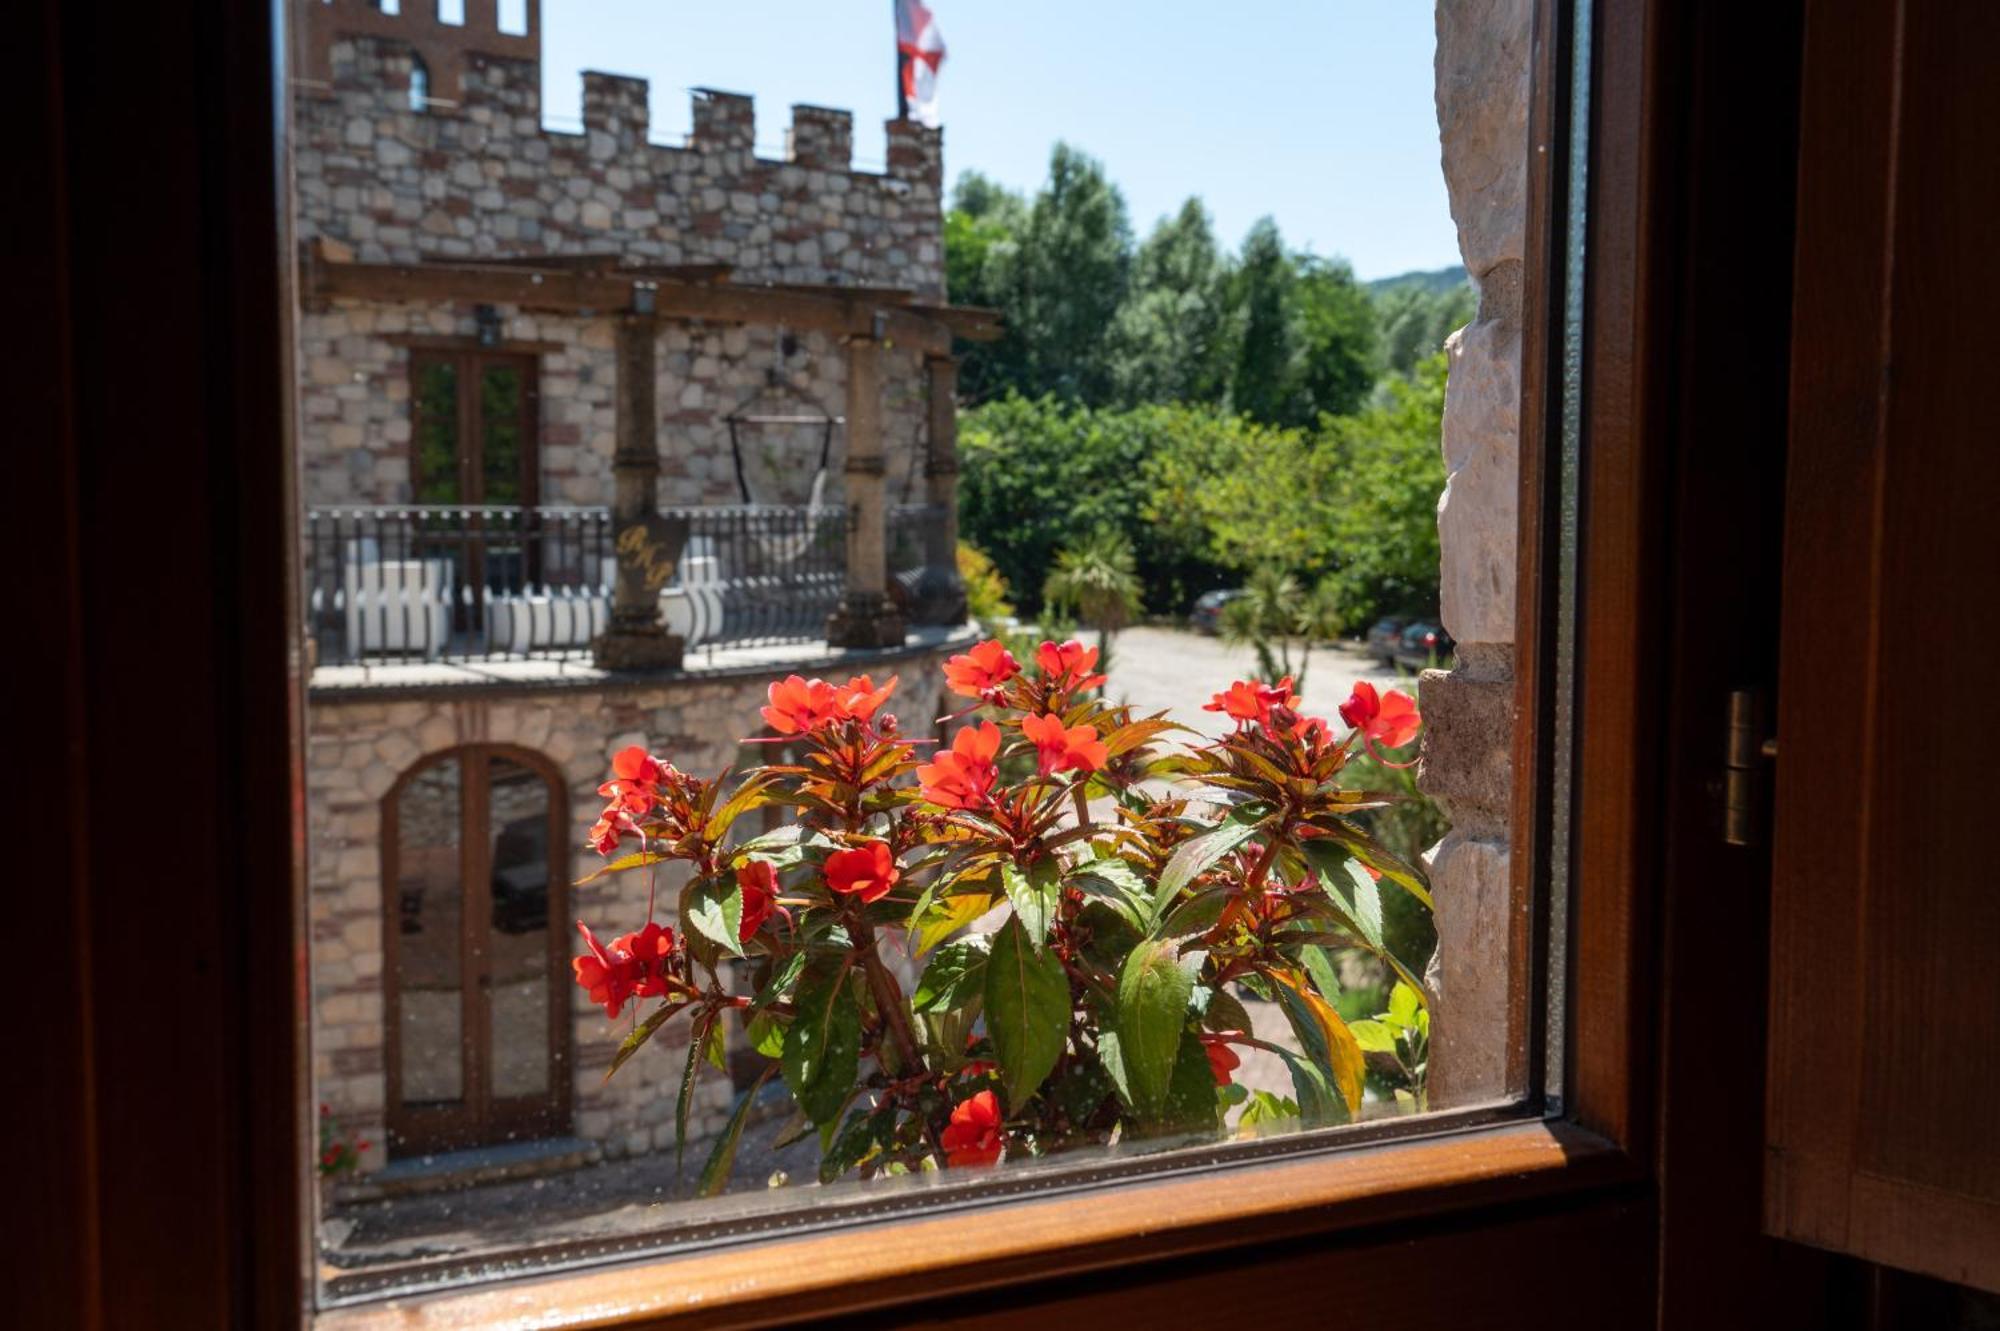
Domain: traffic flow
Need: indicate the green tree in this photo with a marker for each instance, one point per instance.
(1173, 334)
(1097, 581)
(1415, 322)
(1073, 264)
(982, 236)
(1337, 332)
(1391, 472)
(1265, 383)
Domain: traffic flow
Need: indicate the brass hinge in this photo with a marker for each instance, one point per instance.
(1745, 789)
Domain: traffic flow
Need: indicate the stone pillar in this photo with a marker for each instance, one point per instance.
(1482, 100)
(941, 592)
(866, 617)
(637, 639)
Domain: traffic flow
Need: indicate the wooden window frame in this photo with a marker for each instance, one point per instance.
(193, 974)
(429, 1131)
(1591, 1133)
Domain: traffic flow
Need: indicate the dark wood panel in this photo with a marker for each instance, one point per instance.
(1885, 1055)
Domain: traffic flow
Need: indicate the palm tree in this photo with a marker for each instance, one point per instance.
(1099, 583)
(1273, 610)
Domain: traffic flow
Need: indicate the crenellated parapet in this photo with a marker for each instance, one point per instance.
(470, 170)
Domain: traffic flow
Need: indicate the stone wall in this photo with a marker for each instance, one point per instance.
(357, 747)
(481, 176)
(355, 426)
(1482, 100)
(484, 177)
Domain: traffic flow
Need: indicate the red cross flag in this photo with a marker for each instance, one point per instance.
(919, 52)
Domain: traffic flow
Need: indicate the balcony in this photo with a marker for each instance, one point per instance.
(424, 594)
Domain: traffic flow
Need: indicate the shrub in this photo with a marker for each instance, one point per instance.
(1103, 1006)
(985, 589)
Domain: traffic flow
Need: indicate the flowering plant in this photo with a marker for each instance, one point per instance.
(338, 1154)
(1138, 885)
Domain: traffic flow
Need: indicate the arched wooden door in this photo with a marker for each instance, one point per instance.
(474, 956)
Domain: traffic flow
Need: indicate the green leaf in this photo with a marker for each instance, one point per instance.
(1036, 895)
(1377, 857)
(946, 917)
(1118, 886)
(1153, 991)
(1198, 914)
(955, 976)
(714, 909)
(1404, 1002)
(822, 1048)
(1192, 858)
(781, 980)
(1373, 1037)
(638, 859)
(642, 1033)
(1319, 965)
(1027, 1011)
(748, 796)
(1324, 1036)
(698, 1038)
(1192, 1104)
(1318, 1105)
(722, 1156)
(850, 1145)
(766, 1033)
(1225, 1013)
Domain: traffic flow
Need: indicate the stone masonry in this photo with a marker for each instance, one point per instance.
(1482, 100)
(472, 173)
(480, 177)
(358, 747)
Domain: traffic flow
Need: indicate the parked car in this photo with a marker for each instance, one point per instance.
(1385, 638)
(1207, 614)
(1424, 644)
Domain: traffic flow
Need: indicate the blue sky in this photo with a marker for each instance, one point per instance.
(1317, 112)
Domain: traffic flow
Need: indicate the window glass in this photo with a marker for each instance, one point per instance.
(430, 951)
(1118, 460)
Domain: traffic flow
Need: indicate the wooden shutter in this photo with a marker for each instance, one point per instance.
(1884, 1097)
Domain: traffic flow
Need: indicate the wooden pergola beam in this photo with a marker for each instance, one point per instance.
(558, 289)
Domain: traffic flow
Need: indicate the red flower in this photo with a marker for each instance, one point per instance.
(973, 1136)
(1063, 749)
(608, 974)
(867, 871)
(759, 882)
(610, 829)
(1250, 700)
(799, 705)
(981, 671)
(858, 700)
(1069, 664)
(1222, 1060)
(1390, 720)
(962, 776)
(635, 784)
(632, 965)
(652, 952)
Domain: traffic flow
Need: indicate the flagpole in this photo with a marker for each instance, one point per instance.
(896, 28)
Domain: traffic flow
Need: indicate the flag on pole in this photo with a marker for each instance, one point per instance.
(919, 51)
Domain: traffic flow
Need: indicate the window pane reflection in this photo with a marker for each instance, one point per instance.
(517, 937)
(429, 952)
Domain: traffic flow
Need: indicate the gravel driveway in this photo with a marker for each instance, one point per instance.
(1175, 670)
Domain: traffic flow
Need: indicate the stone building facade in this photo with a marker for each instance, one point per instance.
(416, 143)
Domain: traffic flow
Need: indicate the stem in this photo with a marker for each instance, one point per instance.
(1082, 804)
(1263, 866)
(888, 997)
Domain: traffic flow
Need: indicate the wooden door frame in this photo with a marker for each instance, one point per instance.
(470, 360)
(481, 1121)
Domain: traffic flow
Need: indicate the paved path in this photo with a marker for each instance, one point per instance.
(1177, 671)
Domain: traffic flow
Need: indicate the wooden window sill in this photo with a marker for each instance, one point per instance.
(860, 1268)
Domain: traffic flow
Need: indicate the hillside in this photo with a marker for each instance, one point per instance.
(1434, 280)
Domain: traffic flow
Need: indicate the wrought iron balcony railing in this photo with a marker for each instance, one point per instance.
(459, 583)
